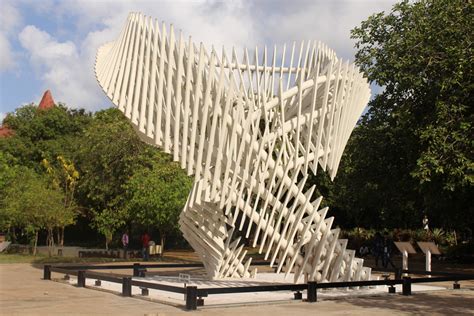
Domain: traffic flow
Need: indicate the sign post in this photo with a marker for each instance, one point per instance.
(428, 248)
(185, 278)
(405, 260)
(405, 248)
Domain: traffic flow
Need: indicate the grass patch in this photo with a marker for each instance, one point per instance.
(16, 258)
(6, 258)
(40, 259)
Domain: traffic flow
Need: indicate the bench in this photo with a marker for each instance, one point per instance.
(99, 253)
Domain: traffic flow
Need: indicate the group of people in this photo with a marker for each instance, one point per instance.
(145, 239)
(381, 249)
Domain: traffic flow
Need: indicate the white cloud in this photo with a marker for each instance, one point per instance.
(7, 61)
(9, 16)
(61, 67)
(67, 67)
(10, 19)
(214, 23)
(44, 48)
(326, 21)
(2, 116)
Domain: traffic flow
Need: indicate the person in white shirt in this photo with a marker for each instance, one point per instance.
(425, 223)
(125, 244)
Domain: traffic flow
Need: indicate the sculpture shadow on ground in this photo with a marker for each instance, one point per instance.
(455, 303)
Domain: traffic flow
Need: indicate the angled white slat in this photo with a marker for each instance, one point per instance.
(214, 126)
(122, 58)
(332, 108)
(134, 68)
(169, 84)
(178, 97)
(128, 64)
(205, 110)
(150, 126)
(159, 93)
(140, 70)
(186, 105)
(195, 111)
(146, 78)
(291, 66)
(111, 76)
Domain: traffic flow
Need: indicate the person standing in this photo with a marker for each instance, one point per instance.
(387, 251)
(425, 223)
(145, 240)
(377, 248)
(125, 244)
(363, 251)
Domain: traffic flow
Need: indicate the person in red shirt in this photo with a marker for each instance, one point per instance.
(145, 240)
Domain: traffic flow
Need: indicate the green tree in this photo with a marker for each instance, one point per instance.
(107, 221)
(157, 192)
(63, 176)
(9, 170)
(413, 150)
(108, 154)
(29, 203)
(43, 134)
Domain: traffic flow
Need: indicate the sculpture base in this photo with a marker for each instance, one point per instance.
(243, 298)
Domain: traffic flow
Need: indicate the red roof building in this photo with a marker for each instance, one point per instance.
(47, 101)
(5, 132)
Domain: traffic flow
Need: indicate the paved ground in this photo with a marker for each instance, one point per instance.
(22, 292)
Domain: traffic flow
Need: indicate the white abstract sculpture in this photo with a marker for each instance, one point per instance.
(249, 132)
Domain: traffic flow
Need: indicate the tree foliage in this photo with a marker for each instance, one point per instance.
(29, 203)
(43, 134)
(412, 151)
(63, 176)
(90, 160)
(157, 192)
(40, 136)
(108, 154)
(422, 54)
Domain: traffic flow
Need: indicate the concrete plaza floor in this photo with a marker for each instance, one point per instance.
(23, 292)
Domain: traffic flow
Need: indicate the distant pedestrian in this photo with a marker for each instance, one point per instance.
(125, 241)
(387, 251)
(363, 251)
(145, 240)
(377, 248)
(425, 223)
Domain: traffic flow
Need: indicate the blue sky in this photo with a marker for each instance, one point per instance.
(51, 44)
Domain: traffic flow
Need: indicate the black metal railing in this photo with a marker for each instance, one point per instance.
(194, 295)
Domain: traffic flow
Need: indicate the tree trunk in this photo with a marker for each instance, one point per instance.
(163, 239)
(106, 243)
(61, 243)
(13, 239)
(50, 241)
(58, 235)
(36, 243)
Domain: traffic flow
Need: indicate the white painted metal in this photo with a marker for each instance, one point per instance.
(428, 260)
(405, 260)
(248, 132)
